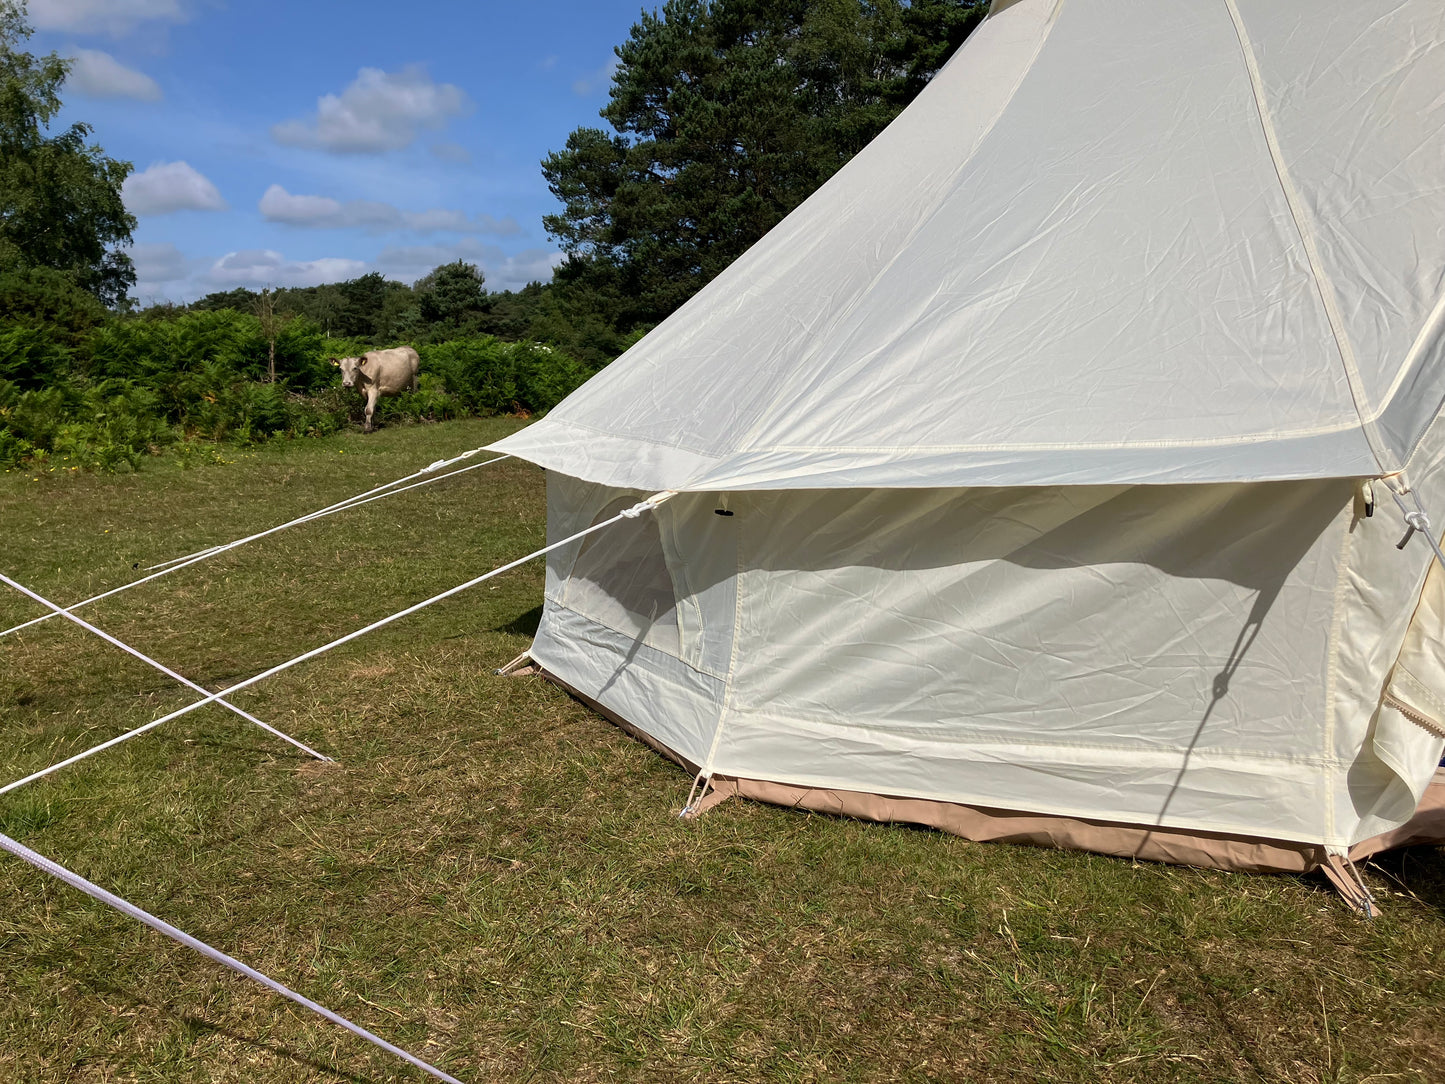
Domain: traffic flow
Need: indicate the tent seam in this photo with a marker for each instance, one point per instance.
(1015, 740)
(1323, 285)
(1433, 326)
(1330, 763)
(729, 682)
(1211, 442)
(1206, 442)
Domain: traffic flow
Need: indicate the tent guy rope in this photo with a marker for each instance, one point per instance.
(1416, 520)
(74, 880)
(108, 638)
(358, 499)
(178, 563)
(627, 513)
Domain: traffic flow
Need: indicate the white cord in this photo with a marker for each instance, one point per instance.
(349, 502)
(701, 781)
(162, 668)
(1416, 520)
(631, 513)
(201, 555)
(74, 880)
(358, 502)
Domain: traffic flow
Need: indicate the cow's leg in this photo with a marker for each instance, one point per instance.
(415, 382)
(371, 396)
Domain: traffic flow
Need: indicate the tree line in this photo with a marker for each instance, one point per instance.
(723, 116)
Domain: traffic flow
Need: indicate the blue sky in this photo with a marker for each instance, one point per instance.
(293, 143)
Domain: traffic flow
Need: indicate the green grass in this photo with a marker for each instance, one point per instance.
(497, 879)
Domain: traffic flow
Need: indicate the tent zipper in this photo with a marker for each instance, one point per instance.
(1430, 726)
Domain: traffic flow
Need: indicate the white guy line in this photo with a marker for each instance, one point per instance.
(628, 513)
(187, 682)
(74, 880)
(360, 498)
(201, 555)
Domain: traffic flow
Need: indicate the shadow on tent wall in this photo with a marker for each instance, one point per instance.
(1234, 550)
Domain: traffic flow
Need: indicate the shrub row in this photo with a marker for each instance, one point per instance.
(133, 388)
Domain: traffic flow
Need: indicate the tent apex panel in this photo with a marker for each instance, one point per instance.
(1071, 244)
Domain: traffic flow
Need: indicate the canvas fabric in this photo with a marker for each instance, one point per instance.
(1214, 658)
(1113, 241)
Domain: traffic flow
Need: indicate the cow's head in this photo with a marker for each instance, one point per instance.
(350, 370)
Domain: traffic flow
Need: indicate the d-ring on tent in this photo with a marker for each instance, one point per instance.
(1037, 476)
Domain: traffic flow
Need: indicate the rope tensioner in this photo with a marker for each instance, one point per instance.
(1417, 520)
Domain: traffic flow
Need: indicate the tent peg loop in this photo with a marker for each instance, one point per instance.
(695, 795)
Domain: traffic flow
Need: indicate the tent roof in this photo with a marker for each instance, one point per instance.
(1114, 241)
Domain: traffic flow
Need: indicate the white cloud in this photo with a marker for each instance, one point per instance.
(503, 271)
(100, 75)
(165, 273)
(380, 111)
(157, 264)
(265, 267)
(323, 212)
(451, 152)
(279, 205)
(114, 17)
(601, 79)
(170, 186)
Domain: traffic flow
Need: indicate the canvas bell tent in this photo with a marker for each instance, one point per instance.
(1036, 478)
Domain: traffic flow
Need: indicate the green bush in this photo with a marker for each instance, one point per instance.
(134, 386)
(489, 376)
(97, 426)
(32, 356)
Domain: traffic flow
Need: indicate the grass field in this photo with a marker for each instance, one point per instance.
(497, 879)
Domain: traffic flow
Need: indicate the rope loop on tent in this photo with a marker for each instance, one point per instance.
(1367, 898)
(1417, 520)
(95, 892)
(702, 780)
(636, 510)
(440, 463)
(178, 563)
(1414, 521)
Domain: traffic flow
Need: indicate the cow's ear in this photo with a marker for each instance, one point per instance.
(335, 361)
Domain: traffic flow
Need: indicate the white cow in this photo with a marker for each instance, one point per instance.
(379, 372)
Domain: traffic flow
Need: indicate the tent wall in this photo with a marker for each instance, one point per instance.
(1209, 658)
(673, 690)
(1139, 655)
